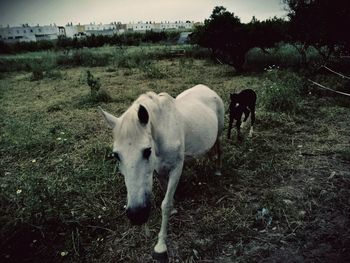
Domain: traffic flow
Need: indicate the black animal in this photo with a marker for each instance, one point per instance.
(243, 102)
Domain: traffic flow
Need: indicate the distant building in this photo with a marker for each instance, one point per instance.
(121, 28)
(46, 32)
(184, 38)
(26, 33)
(71, 30)
(101, 29)
(166, 25)
(22, 33)
(177, 25)
(140, 26)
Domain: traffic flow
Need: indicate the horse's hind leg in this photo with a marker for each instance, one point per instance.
(218, 156)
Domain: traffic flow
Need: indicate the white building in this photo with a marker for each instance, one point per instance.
(177, 25)
(17, 34)
(140, 26)
(100, 29)
(71, 31)
(166, 25)
(26, 33)
(45, 32)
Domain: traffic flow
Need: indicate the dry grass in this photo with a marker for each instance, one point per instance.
(70, 199)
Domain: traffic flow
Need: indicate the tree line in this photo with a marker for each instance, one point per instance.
(64, 43)
(322, 24)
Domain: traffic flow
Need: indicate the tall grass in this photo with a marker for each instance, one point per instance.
(282, 91)
(129, 57)
(283, 55)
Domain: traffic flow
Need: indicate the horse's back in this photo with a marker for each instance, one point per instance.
(203, 115)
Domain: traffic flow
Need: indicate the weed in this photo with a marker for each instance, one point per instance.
(96, 93)
(93, 83)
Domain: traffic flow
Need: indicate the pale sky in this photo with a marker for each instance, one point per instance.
(44, 12)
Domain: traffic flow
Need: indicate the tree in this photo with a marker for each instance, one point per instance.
(229, 40)
(223, 34)
(266, 34)
(323, 24)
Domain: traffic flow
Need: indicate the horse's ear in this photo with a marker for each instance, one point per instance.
(143, 115)
(110, 119)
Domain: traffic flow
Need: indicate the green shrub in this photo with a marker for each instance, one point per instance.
(121, 58)
(282, 91)
(152, 72)
(102, 96)
(37, 72)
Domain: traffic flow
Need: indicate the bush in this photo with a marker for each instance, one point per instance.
(152, 72)
(37, 72)
(102, 96)
(282, 91)
(53, 74)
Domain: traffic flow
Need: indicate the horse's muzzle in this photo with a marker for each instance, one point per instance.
(139, 215)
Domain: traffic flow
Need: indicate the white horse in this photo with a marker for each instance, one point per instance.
(155, 134)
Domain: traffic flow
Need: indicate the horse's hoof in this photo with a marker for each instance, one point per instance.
(173, 212)
(161, 257)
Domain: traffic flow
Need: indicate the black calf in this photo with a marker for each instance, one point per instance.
(243, 102)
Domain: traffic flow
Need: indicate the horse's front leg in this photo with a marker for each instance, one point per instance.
(160, 250)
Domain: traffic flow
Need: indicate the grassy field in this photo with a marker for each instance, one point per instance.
(284, 195)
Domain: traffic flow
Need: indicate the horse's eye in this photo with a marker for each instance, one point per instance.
(147, 153)
(116, 156)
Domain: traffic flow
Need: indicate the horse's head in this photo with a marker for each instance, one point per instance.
(133, 147)
(234, 99)
(235, 107)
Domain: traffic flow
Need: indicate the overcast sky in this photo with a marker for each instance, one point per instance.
(17, 12)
